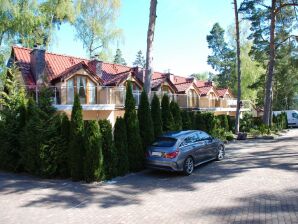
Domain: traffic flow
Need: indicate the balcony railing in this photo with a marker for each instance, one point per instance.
(116, 96)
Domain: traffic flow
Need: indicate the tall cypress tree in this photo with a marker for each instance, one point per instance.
(120, 138)
(64, 164)
(92, 143)
(108, 151)
(76, 148)
(166, 115)
(175, 110)
(156, 116)
(145, 121)
(134, 143)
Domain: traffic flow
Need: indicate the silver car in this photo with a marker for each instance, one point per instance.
(183, 150)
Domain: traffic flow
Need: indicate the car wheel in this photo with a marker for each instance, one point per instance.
(188, 166)
(221, 153)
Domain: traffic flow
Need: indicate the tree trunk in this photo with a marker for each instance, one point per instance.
(269, 80)
(150, 37)
(237, 122)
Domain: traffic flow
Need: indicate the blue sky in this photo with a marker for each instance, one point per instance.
(180, 35)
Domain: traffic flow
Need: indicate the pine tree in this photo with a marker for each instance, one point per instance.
(118, 59)
(156, 116)
(134, 143)
(145, 121)
(120, 138)
(175, 110)
(140, 60)
(186, 122)
(92, 145)
(76, 148)
(166, 115)
(109, 169)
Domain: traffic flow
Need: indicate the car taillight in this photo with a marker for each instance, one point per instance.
(171, 155)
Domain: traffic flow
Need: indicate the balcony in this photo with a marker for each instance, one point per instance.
(109, 98)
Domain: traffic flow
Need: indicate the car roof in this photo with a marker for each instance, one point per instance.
(178, 134)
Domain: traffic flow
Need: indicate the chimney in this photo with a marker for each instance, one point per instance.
(37, 63)
(98, 67)
(170, 77)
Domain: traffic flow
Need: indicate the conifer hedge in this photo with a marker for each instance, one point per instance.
(166, 115)
(176, 113)
(120, 139)
(156, 116)
(76, 148)
(134, 144)
(186, 122)
(108, 150)
(145, 121)
(93, 151)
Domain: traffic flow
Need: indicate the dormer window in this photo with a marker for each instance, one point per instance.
(84, 87)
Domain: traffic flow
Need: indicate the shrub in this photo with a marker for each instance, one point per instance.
(93, 151)
(108, 151)
(192, 118)
(64, 163)
(229, 136)
(76, 148)
(166, 115)
(246, 123)
(134, 143)
(176, 113)
(156, 116)
(199, 122)
(224, 121)
(186, 122)
(145, 121)
(120, 138)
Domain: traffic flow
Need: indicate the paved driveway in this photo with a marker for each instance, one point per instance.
(257, 183)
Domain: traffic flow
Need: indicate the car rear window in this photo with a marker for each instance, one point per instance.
(164, 142)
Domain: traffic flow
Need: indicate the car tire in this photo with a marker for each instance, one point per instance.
(188, 166)
(221, 153)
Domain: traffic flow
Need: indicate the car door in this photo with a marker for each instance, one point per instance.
(187, 147)
(210, 145)
(201, 150)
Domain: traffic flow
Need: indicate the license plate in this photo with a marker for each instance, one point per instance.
(156, 154)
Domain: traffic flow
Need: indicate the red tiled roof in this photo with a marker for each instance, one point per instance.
(205, 90)
(57, 65)
(182, 87)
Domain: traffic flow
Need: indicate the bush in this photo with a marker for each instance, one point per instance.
(145, 121)
(156, 116)
(224, 121)
(76, 148)
(136, 154)
(120, 138)
(109, 169)
(176, 113)
(246, 123)
(199, 122)
(93, 151)
(166, 115)
(64, 163)
(186, 122)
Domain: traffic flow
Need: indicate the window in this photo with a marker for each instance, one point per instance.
(81, 88)
(70, 91)
(84, 87)
(295, 115)
(164, 142)
(92, 92)
(189, 140)
(203, 136)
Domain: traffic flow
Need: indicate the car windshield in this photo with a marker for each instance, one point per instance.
(164, 142)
